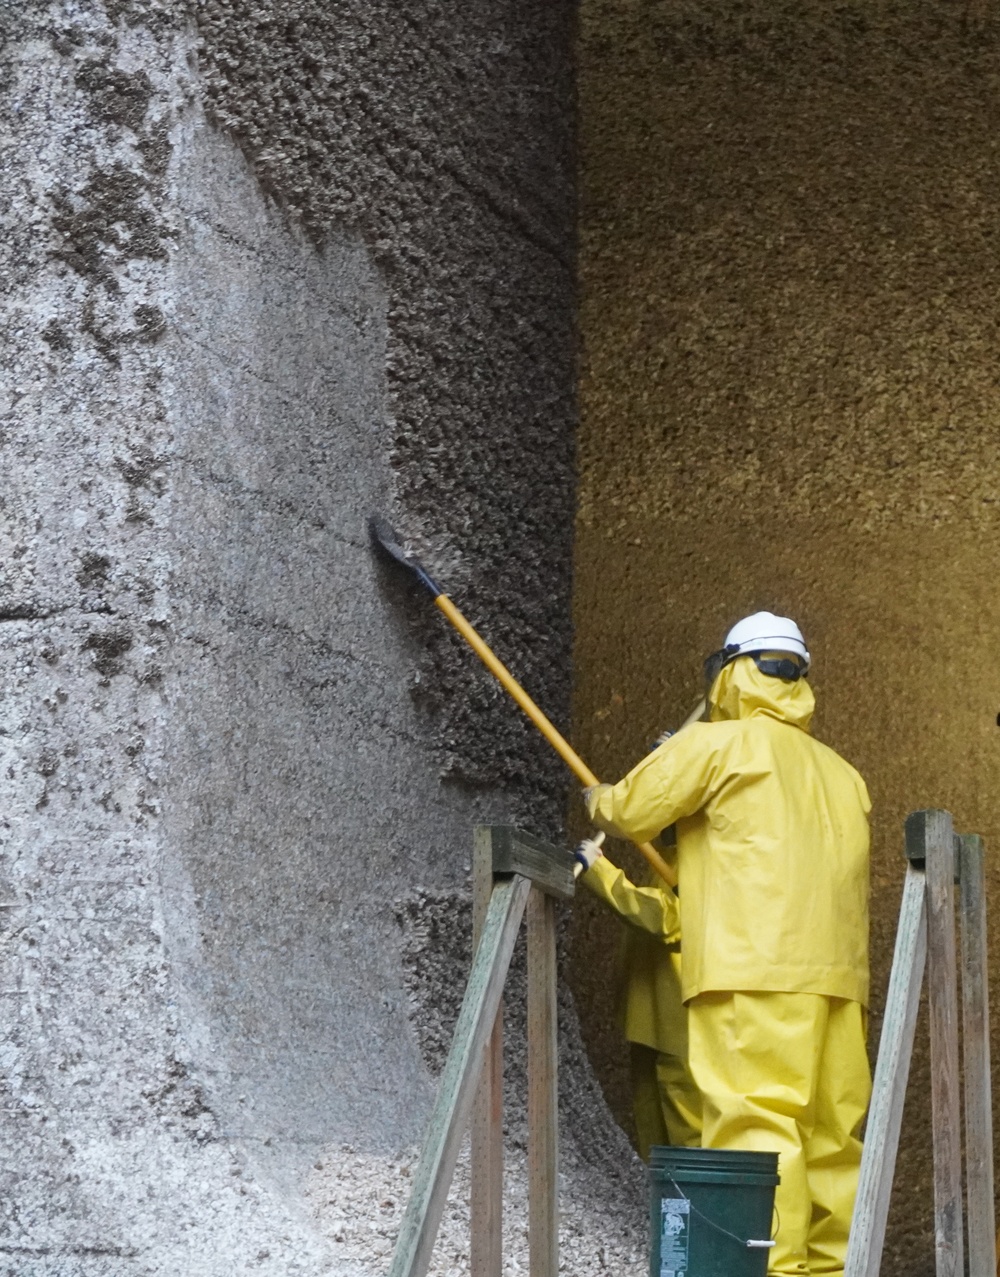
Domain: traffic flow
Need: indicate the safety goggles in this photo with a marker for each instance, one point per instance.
(788, 668)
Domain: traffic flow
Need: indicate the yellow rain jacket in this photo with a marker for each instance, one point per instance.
(772, 845)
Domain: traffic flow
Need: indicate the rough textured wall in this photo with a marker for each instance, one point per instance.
(227, 759)
(790, 400)
(447, 142)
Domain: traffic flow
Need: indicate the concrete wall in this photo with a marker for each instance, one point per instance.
(261, 276)
(791, 387)
(449, 143)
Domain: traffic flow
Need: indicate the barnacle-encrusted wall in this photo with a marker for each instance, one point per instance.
(791, 386)
(448, 144)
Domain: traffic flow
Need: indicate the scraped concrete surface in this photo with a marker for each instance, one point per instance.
(450, 143)
(238, 792)
(119, 1151)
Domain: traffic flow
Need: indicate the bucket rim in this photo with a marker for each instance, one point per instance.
(701, 1159)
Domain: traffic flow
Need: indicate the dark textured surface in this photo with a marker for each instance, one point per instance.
(448, 145)
(789, 282)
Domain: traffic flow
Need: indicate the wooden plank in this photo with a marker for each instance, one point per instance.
(885, 1116)
(543, 1089)
(976, 1059)
(942, 986)
(486, 1204)
(549, 868)
(916, 838)
(457, 1086)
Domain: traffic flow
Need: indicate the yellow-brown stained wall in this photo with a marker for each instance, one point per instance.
(790, 287)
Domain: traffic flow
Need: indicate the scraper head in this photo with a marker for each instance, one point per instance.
(385, 538)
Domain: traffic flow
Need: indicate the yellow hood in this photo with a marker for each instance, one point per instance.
(742, 691)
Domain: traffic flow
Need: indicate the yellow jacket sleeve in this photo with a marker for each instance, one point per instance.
(674, 781)
(645, 908)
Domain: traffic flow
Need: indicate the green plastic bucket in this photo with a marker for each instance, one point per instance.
(706, 1204)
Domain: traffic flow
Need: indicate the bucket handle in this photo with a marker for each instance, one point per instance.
(749, 1242)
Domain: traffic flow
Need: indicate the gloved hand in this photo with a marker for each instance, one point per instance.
(661, 739)
(590, 796)
(587, 852)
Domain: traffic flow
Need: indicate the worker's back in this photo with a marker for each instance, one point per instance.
(774, 868)
(772, 840)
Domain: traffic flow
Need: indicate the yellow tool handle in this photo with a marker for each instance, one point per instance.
(697, 713)
(562, 746)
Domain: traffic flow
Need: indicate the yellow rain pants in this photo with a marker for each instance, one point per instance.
(665, 1101)
(788, 1073)
(666, 1104)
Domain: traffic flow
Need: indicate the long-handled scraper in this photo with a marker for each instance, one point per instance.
(387, 540)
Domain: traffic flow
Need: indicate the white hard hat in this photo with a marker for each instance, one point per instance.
(765, 632)
(762, 632)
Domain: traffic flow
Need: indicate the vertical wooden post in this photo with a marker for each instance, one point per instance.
(885, 1117)
(456, 1088)
(938, 840)
(976, 1058)
(486, 1257)
(543, 1089)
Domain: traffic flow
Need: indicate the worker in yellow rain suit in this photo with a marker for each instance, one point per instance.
(665, 1101)
(773, 876)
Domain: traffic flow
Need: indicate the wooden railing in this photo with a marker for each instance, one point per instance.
(512, 873)
(926, 939)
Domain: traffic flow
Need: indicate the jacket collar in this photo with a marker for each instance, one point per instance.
(742, 691)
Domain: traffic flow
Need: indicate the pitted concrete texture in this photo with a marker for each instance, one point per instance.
(447, 144)
(790, 394)
(115, 1157)
(219, 781)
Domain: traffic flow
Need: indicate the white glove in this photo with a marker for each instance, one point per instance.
(587, 852)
